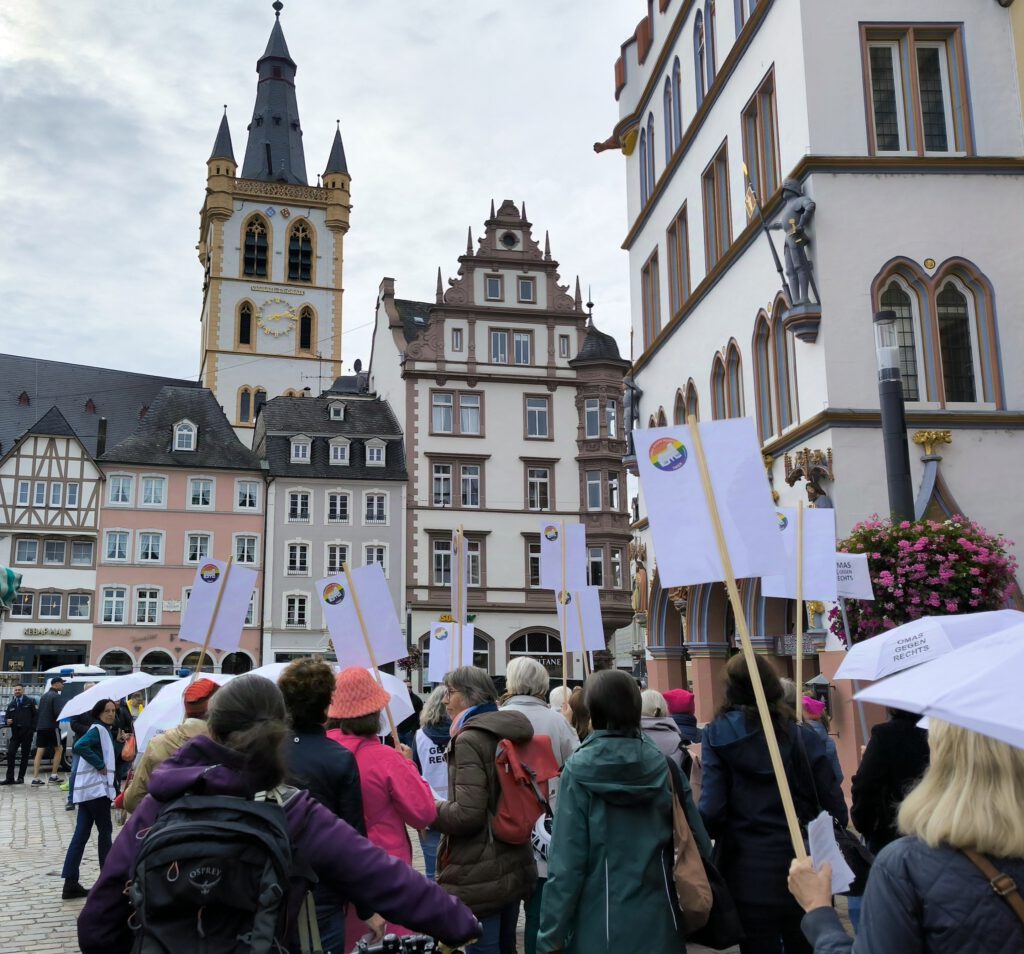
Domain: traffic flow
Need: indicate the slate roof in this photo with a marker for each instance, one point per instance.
(217, 447)
(409, 311)
(357, 383)
(365, 418)
(222, 144)
(53, 424)
(598, 346)
(336, 160)
(119, 396)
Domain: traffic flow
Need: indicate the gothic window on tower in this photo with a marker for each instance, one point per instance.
(307, 329)
(254, 259)
(300, 253)
(245, 325)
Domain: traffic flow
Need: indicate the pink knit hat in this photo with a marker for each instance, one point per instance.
(356, 693)
(680, 701)
(813, 707)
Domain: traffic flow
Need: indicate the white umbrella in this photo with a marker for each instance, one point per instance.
(271, 671)
(919, 641)
(977, 687)
(116, 687)
(168, 708)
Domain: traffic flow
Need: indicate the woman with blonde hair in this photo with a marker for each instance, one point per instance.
(430, 753)
(934, 890)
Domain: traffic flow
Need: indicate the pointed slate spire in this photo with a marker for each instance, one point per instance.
(523, 216)
(492, 208)
(439, 294)
(222, 144)
(274, 150)
(578, 297)
(469, 240)
(547, 246)
(336, 160)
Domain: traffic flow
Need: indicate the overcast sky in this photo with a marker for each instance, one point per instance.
(109, 112)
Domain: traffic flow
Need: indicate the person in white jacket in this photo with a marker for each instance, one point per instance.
(93, 793)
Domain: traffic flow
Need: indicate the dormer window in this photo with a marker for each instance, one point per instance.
(337, 411)
(185, 436)
(300, 450)
(375, 453)
(339, 452)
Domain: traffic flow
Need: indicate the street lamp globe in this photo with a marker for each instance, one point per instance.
(887, 345)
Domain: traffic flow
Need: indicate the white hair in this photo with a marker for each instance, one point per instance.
(653, 703)
(559, 697)
(526, 677)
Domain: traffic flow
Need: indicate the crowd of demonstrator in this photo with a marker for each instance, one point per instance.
(598, 877)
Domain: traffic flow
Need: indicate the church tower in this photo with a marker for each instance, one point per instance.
(272, 248)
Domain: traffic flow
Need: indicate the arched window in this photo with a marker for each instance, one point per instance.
(955, 344)
(184, 436)
(667, 106)
(244, 406)
(245, 324)
(734, 380)
(662, 420)
(692, 401)
(896, 298)
(117, 662)
(763, 377)
(254, 258)
(236, 663)
(157, 663)
(783, 361)
(709, 40)
(543, 646)
(300, 253)
(679, 409)
(643, 167)
(651, 178)
(699, 67)
(677, 105)
(192, 660)
(307, 323)
(719, 408)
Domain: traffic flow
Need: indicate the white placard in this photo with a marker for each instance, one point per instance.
(853, 579)
(680, 521)
(585, 603)
(818, 558)
(551, 555)
(444, 649)
(234, 605)
(382, 626)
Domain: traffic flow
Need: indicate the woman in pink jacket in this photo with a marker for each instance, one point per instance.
(394, 794)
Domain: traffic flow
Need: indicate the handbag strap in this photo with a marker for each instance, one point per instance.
(1002, 884)
(807, 765)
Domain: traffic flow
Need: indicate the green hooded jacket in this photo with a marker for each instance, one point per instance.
(609, 886)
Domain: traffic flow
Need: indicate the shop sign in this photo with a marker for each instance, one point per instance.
(47, 631)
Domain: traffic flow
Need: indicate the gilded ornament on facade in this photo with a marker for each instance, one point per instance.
(929, 439)
(276, 317)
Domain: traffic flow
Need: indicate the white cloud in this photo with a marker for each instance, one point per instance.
(110, 111)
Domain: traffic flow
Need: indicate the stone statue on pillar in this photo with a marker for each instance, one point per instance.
(631, 406)
(794, 219)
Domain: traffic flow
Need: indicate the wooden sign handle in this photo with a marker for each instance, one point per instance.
(799, 666)
(460, 586)
(561, 602)
(370, 652)
(748, 650)
(583, 640)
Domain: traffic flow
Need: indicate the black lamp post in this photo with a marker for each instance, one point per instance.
(894, 422)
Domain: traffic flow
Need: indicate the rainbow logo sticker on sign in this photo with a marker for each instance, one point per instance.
(565, 598)
(783, 520)
(440, 634)
(210, 573)
(551, 533)
(667, 453)
(334, 593)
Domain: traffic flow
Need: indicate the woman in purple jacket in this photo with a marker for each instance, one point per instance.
(243, 756)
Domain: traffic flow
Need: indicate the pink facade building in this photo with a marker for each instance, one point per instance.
(180, 489)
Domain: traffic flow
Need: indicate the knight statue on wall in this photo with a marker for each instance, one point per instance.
(631, 408)
(794, 218)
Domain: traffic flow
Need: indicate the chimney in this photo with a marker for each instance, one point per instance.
(101, 437)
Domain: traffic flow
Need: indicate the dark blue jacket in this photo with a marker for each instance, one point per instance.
(328, 771)
(922, 900)
(742, 808)
(687, 725)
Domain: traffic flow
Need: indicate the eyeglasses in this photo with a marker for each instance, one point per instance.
(449, 692)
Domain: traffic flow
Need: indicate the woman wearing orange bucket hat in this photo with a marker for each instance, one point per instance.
(394, 793)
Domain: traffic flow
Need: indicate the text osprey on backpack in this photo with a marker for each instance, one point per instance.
(212, 876)
(524, 769)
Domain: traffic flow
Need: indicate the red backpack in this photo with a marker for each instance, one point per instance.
(524, 769)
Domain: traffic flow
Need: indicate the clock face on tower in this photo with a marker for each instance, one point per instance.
(276, 317)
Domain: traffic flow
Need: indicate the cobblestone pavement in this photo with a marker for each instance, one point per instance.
(34, 834)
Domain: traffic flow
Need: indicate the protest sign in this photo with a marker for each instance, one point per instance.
(680, 520)
(853, 579)
(553, 561)
(584, 630)
(217, 606)
(363, 625)
(444, 650)
(819, 547)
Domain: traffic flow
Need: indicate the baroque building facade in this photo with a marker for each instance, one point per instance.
(883, 143)
(511, 407)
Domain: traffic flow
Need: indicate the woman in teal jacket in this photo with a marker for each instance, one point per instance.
(610, 884)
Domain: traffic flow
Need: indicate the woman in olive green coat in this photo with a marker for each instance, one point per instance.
(610, 886)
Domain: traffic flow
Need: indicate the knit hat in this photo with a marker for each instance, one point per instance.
(356, 693)
(680, 701)
(197, 698)
(813, 707)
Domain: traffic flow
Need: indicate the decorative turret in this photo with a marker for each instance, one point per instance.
(337, 180)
